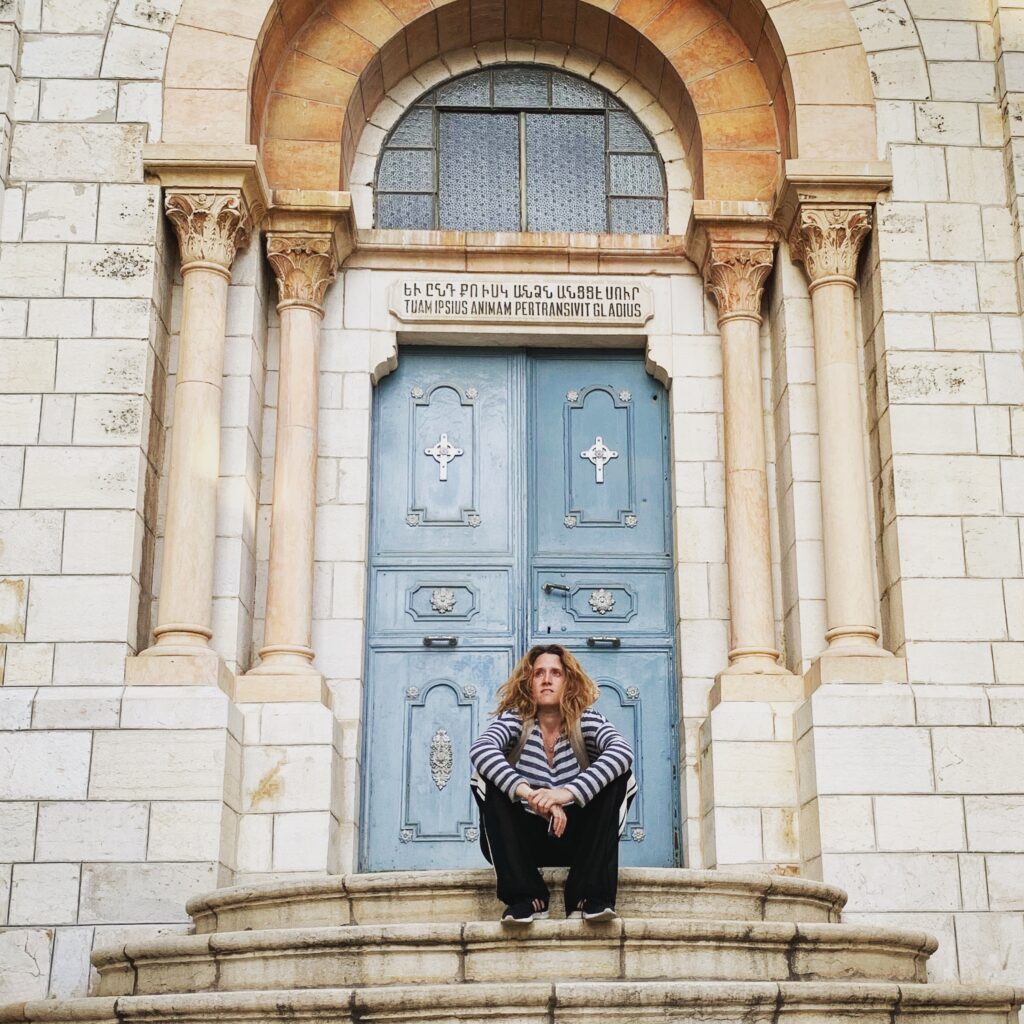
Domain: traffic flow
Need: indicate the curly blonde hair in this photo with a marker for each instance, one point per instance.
(579, 692)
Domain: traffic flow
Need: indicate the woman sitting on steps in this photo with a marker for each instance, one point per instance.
(553, 782)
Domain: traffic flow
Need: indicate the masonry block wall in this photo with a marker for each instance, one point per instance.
(120, 802)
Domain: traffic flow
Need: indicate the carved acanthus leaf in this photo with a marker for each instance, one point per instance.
(827, 239)
(735, 276)
(211, 226)
(304, 265)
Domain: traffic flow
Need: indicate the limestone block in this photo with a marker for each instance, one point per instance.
(28, 665)
(885, 26)
(44, 765)
(18, 837)
(121, 318)
(930, 546)
(178, 707)
(1012, 475)
(82, 478)
(158, 765)
(993, 427)
(919, 173)
(133, 52)
(997, 288)
(127, 893)
(966, 81)
(935, 378)
(994, 823)
(934, 287)
(185, 830)
(1007, 705)
(954, 231)
(44, 894)
(60, 212)
(13, 608)
(1005, 875)
(80, 608)
(122, 271)
(950, 609)
(295, 724)
(772, 784)
(990, 947)
(69, 971)
(92, 831)
(950, 124)
(31, 268)
(254, 851)
(286, 778)
(128, 213)
(947, 485)
(78, 100)
(845, 824)
(141, 102)
(19, 419)
(100, 365)
(25, 959)
(111, 420)
(962, 331)
(75, 15)
(12, 318)
(300, 841)
(737, 837)
(344, 433)
(992, 547)
(31, 542)
(695, 437)
(979, 760)
(932, 430)
(61, 56)
(16, 709)
(948, 40)
(101, 541)
(1004, 375)
(65, 318)
(976, 176)
(78, 707)
(895, 881)
(857, 704)
(700, 535)
(902, 232)
(78, 152)
(338, 646)
(873, 760)
(88, 664)
(951, 705)
(920, 823)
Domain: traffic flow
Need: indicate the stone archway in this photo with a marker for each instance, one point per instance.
(747, 90)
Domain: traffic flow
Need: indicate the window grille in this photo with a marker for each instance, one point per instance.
(520, 148)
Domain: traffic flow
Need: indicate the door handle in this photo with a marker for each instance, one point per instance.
(549, 587)
(440, 641)
(612, 641)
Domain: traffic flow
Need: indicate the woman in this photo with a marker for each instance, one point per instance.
(553, 782)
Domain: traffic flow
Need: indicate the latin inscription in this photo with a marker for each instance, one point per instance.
(614, 303)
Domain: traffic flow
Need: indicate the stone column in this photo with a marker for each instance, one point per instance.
(304, 265)
(827, 238)
(211, 226)
(735, 273)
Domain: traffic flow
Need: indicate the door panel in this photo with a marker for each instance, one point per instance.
(490, 482)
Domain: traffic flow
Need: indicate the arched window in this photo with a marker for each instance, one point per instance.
(520, 148)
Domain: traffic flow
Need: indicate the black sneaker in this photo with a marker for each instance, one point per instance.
(597, 910)
(524, 912)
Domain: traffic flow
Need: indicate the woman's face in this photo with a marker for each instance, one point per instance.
(548, 680)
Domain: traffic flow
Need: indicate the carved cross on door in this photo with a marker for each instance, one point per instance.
(599, 453)
(443, 452)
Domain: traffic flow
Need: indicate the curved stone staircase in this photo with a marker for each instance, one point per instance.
(700, 946)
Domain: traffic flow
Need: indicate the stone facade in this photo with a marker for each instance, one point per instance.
(173, 718)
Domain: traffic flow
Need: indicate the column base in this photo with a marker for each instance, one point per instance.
(267, 687)
(155, 668)
(762, 687)
(831, 667)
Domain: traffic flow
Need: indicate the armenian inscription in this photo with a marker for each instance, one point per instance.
(490, 300)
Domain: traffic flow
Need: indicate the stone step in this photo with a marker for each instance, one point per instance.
(624, 949)
(457, 896)
(651, 1002)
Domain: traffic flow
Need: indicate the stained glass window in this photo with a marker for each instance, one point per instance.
(520, 148)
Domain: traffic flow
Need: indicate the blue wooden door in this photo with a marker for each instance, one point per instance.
(501, 517)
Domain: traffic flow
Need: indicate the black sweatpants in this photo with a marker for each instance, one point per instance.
(517, 843)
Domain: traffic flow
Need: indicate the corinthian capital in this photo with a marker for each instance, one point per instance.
(304, 265)
(735, 273)
(827, 239)
(211, 226)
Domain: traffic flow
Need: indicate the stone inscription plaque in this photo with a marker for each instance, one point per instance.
(598, 303)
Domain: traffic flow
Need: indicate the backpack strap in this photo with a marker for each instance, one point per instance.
(517, 748)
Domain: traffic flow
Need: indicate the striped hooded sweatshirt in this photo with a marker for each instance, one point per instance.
(610, 756)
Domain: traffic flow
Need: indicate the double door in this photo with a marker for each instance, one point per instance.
(519, 497)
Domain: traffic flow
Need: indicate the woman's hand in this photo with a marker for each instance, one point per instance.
(558, 821)
(544, 800)
(524, 791)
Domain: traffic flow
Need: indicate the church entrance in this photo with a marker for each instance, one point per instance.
(519, 497)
